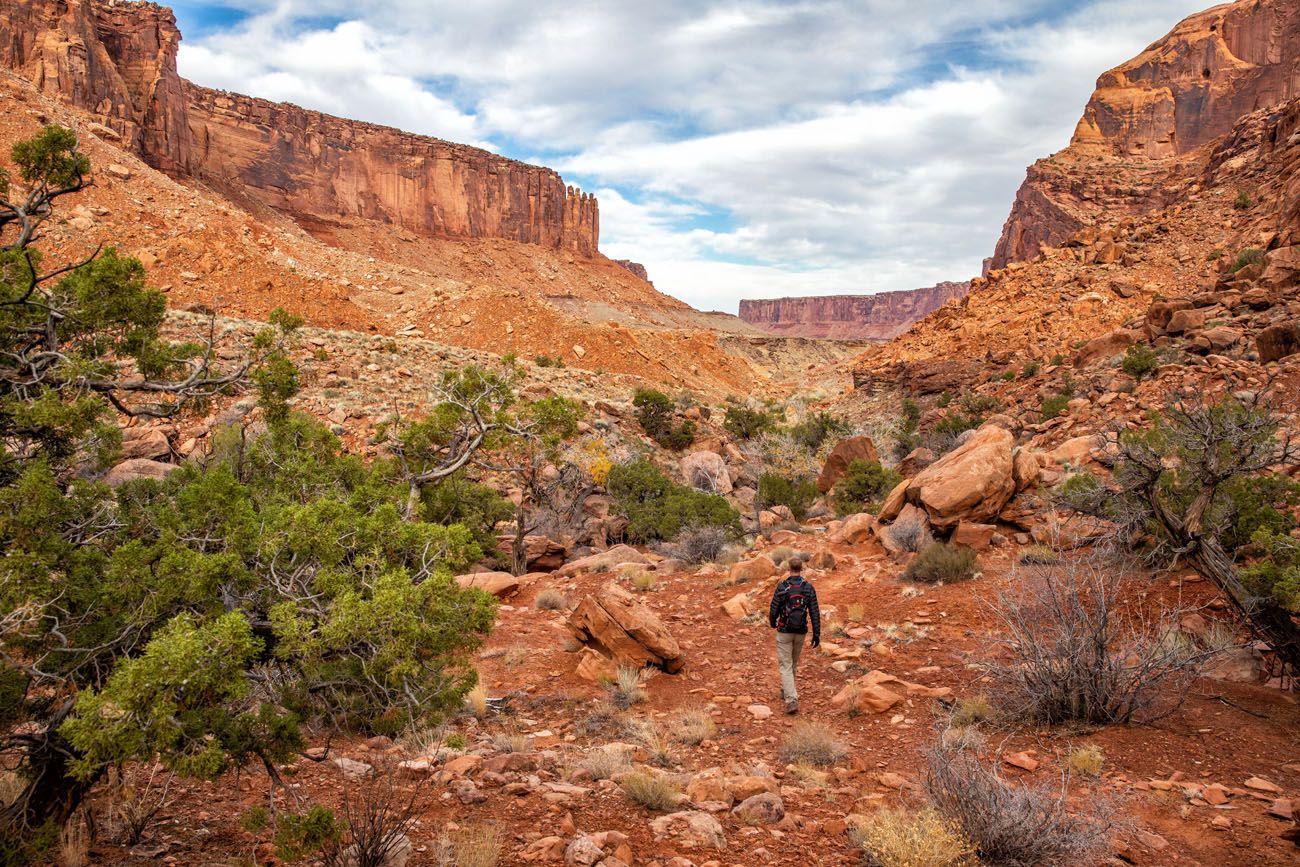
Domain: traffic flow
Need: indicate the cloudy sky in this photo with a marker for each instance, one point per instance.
(739, 148)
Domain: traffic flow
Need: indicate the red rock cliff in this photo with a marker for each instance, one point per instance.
(848, 317)
(1184, 91)
(117, 60)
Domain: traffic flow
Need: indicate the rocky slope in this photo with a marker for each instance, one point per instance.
(848, 317)
(118, 61)
(1128, 154)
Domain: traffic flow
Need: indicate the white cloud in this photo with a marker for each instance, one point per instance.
(762, 148)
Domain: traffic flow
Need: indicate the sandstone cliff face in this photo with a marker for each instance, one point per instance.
(118, 61)
(1184, 91)
(849, 317)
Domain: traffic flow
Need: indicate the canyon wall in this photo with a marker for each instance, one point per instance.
(848, 317)
(1148, 117)
(117, 60)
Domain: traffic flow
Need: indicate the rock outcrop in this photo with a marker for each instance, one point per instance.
(615, 623)
(1184, 91)
(848, 317)
(118, 61)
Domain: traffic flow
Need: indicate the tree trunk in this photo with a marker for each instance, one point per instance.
(52, 795)
(1270, 621)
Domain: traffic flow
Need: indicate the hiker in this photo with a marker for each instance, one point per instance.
(793, 610)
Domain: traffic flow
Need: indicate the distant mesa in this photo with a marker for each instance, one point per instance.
(117, 61)
(849, 317)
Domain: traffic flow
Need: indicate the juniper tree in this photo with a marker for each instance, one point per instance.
(200, 620)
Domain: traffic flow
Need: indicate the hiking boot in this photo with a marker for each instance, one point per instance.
(792, 707)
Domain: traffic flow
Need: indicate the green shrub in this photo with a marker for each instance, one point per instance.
(1265, 503)
(302, 834)
(817, 428)
(945, 398)
(1007, 375)
(1215, 255)
(655, 413)
(1030, 369)
(980, 406)
(1242, 202)
(798, 494)
(907, 428)
(1053, 406)
(1057, 360)
(941, 563)
(456, 500)
(745, 423)
(548, 361)
(1139, 360)
(1247, 257)
(862, 487)
(657, 508)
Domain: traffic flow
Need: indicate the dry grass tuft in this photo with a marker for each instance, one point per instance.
(660, 748)
(898, 837)
(74, 842)
(627, 689)
(551, 600)
(1039, 555)
(971, 710)
(813, 744)
(691, 726)
(473, 846)
(476, 701)
(654, 792)
(1087, 760)
(855, 612)
(505, 742)
(605, 762)
(644, 582)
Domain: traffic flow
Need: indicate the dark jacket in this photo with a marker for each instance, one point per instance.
(778, 605)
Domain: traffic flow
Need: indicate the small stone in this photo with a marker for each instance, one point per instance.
(1021, 760)
(1260, 784)
(760, 711)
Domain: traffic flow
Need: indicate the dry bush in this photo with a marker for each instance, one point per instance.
(1086, 760)
(814, 744)
(962, 738)
(420, 741)
(652, 791)
(782, 554)
(1071, 655)
(605, 762)
(855, 612)
(476, 701)
(697, 545)
(941, 563)
(899, 837)
(551, 600)
(691, 726)
(131, 805)
(377, 813)
(911, 533)
(971, 709)
(1014, 825)
(471, 846)
(644, 582)
(627, 689)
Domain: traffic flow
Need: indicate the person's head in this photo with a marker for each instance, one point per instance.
(796, 566)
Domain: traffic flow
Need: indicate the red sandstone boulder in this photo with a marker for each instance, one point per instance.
(845, 452)
(615, 623)
(972, 482)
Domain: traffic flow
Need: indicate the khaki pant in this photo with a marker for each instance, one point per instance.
(789, 647)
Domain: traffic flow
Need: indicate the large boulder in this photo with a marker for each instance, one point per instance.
(499, 584)
(614, 622)
(1278, 341)
(754, 569)
(846, 451)
(972, 482)
(706, 471)
(855, 530)
(145, 442)
(605, 561)
(1105, 347)
(138, 468)
(541, 553)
